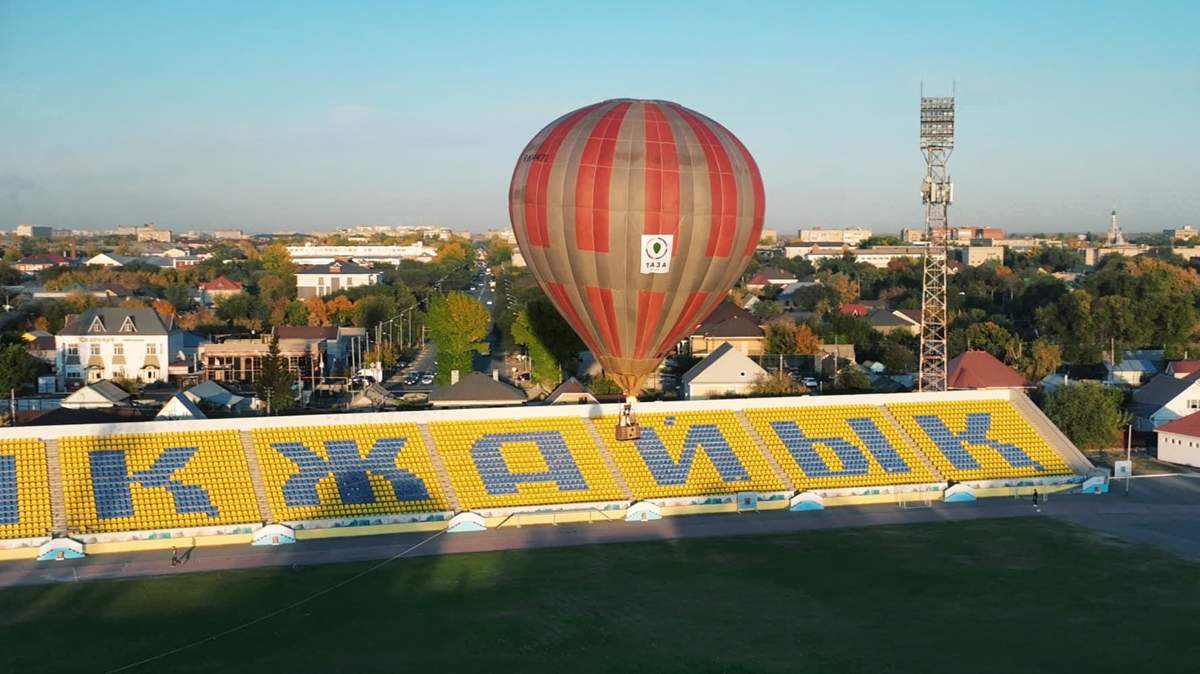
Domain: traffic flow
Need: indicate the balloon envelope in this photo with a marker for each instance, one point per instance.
(636, 217)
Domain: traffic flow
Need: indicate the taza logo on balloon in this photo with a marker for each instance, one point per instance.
(656, 253)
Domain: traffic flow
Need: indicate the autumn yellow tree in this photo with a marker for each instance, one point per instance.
(318, 312)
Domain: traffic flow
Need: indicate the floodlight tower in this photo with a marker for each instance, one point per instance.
(937, 142)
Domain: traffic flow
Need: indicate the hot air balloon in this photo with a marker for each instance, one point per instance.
(635, 217)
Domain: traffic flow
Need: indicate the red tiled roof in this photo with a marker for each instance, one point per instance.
(1184, 367)
(854, 310)
(758, 280)
(1189, 425)
(980, 369)
(221, 283)
(44, 258)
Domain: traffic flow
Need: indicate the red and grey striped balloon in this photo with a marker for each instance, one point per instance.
(636, 217)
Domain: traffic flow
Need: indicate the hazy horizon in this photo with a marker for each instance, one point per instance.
(313, 117)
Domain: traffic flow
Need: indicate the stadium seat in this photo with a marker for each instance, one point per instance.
(156, 481)
(838, 446)
(689, 454)
(24, 490)
(321, 472)
(979, 440)
(523, 462)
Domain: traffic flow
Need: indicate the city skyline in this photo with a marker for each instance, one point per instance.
(311, 117)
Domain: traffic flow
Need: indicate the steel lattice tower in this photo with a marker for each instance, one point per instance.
(937, 142)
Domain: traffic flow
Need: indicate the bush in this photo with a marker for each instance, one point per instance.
(1089, 413)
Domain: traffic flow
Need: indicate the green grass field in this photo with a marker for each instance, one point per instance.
(1024, 595)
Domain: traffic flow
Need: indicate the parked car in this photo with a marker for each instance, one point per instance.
(362, 380)
(412, 378)
(427, 378)
(810, 382)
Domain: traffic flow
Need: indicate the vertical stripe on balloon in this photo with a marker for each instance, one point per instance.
(760, 203)
(686, 321)
(601, 301)
(594, 179)
(559, 295)
(662, 175)
(536, 183)
(649, 311)
(722, 183)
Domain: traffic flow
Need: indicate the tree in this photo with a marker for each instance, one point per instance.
(296, 313)
(850, 378)
(1089, 413)
(457, 322)
(544, 367)
(985, 336)
(766, 309)
(275, 380)
(897, 359)
(1045, 357)
(781, 338)
(777, 384)
(807, 341)
(17, 368)
(179, 295)
(318, 314)
(164, 308)
(340, 310)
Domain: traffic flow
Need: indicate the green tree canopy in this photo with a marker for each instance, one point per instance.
(275, 380)
(18, 369)
(457, 322)
(1089, 413)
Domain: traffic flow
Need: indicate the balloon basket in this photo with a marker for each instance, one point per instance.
(627, 425)
(631, 432)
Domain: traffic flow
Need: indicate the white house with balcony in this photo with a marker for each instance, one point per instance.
(327, 279)
(112, 342)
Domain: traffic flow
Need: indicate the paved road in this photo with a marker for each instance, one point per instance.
(1159, 511)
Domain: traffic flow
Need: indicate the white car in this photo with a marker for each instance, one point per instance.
(489, 302)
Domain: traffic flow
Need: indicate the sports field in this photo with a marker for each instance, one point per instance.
(1012, 595)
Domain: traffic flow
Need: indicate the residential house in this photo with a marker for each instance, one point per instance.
(32, 264)
(1129, 372)
(833, 357)
(41, 345)
(981, 370)
(1179, 440)
(887, 321)
(101, 394)
(854, 309)
(338, 345)
(787, 296)
(727, 323)
(769, 276)
(327, 279)
(476, 390)
(222, 286)
(239, 361)
(179, 407)
(1163, 399)
(109, 260)
(1182, 369)
(111, 342)
(725, 371)
(570, 392)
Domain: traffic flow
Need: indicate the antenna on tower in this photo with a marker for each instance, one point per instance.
(937, 192)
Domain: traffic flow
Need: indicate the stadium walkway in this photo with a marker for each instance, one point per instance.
(1160, 511)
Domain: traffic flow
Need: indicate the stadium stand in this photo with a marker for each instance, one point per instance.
(151, 481)
(689, 454)
(319, 472)
(108, 484)
(523, 462)
(978, 440)
(24, 489)
(838, 446)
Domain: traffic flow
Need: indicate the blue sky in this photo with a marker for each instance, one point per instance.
(274, 116)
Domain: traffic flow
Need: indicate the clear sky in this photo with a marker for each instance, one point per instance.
(292, 115)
